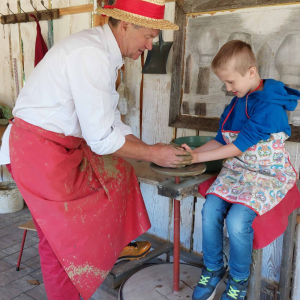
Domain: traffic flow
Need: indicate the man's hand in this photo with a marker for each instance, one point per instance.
(170, 156)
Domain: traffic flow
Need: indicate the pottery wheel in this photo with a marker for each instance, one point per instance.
(191, 170)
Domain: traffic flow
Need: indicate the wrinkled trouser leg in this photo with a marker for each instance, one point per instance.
(239, 225)
(57, 283)
(213, 214)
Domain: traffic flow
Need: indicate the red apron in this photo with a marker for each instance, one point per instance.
(88, 206)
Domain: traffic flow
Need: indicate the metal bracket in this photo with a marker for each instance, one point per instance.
(187, 187)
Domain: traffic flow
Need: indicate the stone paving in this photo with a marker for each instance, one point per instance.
(13, 284)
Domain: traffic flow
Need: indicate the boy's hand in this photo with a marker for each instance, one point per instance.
(193, 153)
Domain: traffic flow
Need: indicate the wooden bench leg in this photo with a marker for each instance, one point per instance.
(21, 250)
(254, 287)
(287, 258)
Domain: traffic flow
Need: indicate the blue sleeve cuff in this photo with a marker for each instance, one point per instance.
(219, 138)
(242, 143)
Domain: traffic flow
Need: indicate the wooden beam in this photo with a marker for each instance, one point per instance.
(76, 9)
(254, 287)
(79, 9)
(287, 258)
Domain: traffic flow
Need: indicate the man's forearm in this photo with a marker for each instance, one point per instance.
(135, 149)
(133, 138)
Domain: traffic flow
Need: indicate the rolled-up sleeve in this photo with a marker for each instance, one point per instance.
(88, 71)
(118, 123)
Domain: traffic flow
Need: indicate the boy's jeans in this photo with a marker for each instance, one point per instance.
(239, 220)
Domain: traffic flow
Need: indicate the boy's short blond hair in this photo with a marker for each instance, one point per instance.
(239, 50)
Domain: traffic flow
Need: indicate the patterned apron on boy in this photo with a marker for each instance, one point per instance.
(260, 177)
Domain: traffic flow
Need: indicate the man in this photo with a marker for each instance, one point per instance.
(85, 202)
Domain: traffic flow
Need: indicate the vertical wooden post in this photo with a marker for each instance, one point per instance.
(296, 273)
(253, 292)
(176, 264)
(287, 258)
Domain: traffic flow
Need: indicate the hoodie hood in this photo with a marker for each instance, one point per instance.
(276, 92)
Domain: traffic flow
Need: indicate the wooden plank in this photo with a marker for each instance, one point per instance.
(159, 211)
(28, 226)
(51, 14)
(133, 79)
(186, 223)
(28, 36)
(253, 292)
(187, 187)
(177, 67)
(296, 273)
(186, 208)
(118, 270)
(287, 258)
(197, 230)
(212, 124)
(294, 151)
(72, 10)
(272, 254)
(78, 9)
(10, 55)
(156, 95)
(101, 294)
(69, 24)
(192, 6)
(185, 256)
(145, 174)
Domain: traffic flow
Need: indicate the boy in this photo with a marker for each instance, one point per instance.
(257, 173)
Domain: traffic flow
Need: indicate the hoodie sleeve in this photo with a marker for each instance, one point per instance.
(219, 136)
(265, 119)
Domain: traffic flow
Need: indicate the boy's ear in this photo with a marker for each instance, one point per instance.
(252, 72)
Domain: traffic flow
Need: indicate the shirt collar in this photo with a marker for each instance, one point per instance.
(113, 47)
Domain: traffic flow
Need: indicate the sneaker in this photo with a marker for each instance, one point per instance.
(208, 284)
(135, 250)
(235, 290)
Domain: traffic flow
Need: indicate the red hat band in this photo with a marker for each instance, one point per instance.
(139, 7)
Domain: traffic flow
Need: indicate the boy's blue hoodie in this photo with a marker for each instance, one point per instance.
(267, 112)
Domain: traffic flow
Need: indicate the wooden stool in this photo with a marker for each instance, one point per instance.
(26, 226)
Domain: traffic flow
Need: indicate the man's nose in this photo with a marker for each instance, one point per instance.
(149, 44)
(228, 88)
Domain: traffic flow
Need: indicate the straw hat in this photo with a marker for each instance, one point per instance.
(146, 13)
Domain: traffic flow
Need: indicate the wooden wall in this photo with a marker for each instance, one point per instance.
(148, 117)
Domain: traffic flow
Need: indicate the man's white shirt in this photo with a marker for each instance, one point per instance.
(72, 91)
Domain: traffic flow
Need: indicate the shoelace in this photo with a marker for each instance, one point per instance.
(233, 293)
(204, 279)
(134, 245)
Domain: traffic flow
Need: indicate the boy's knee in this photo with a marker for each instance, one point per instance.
(212, 212)
(237, 226)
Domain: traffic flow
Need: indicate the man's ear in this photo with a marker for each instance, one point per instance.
(252, 72)
(124, 28)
